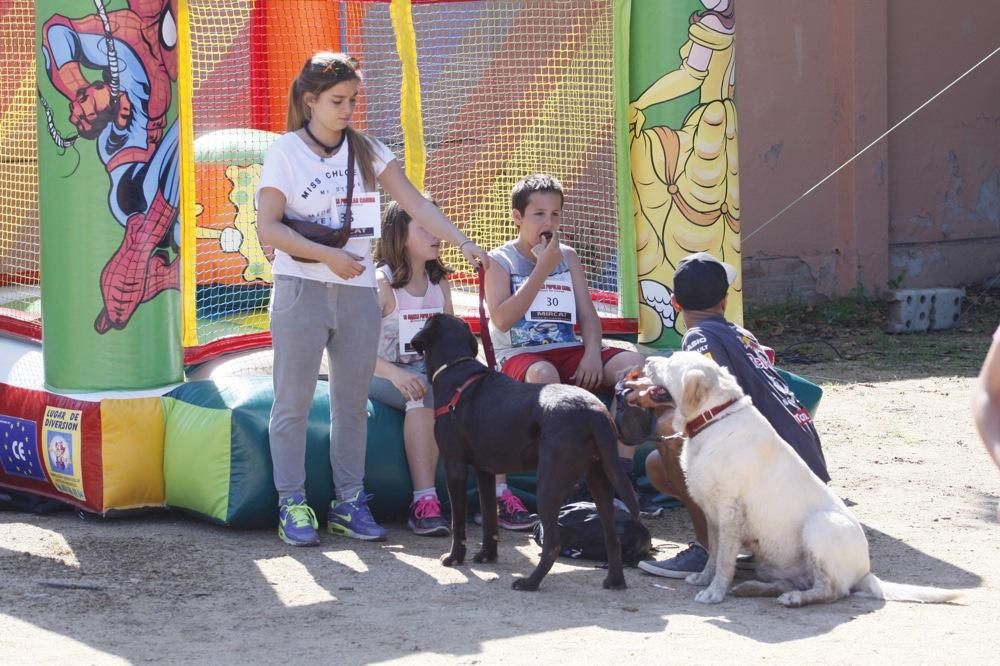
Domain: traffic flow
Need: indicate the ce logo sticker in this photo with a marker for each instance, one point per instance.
(17, 448)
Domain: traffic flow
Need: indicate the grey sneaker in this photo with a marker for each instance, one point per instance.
(690, 560)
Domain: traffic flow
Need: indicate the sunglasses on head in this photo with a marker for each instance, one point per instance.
(338, 67)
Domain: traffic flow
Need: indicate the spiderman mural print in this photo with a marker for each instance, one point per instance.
(116, 70)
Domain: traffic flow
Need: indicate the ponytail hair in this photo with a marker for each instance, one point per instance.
(320, 72)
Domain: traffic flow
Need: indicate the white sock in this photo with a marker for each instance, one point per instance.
(501, 487)
(426, 492)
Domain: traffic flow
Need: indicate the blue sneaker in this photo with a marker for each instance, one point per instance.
(353, 518)
(690, 560)
(297, 523)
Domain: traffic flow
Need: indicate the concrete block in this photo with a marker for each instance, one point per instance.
(946, 307)
(909, 311)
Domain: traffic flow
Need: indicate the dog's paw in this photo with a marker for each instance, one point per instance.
(615, 583)
(710, 595)
(701, 579)
(792, 599)
(485, 556)
(453, 559)
(524, 585)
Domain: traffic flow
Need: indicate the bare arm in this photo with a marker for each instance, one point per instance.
(409, 384)
(386, 297)
(449, 308)
(63, 64)
(586, 313)
(681, 81)
(686, 78)
(986, 402)
(590, 371)
(427, 214)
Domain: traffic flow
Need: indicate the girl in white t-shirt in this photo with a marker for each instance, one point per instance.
(324, 297)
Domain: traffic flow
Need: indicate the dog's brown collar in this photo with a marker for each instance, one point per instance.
(702, 421)
(457, 395)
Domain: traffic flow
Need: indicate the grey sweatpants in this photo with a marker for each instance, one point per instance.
(306, 317)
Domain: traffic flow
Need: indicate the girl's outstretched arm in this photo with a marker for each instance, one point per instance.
(426, 213)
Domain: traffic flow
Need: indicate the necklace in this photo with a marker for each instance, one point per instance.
(329, 150)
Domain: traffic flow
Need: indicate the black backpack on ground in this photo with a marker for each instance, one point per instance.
(13, 500)
(581, 536)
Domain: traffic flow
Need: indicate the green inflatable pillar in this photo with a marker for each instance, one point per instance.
(681, 129)
(109, 193)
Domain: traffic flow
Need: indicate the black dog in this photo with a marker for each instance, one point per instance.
(497, 425)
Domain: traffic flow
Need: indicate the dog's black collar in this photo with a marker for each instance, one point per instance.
(452, 364)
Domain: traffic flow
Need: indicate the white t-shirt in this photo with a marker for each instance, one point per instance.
(309, 183)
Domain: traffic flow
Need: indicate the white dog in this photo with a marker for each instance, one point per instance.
(758, 494)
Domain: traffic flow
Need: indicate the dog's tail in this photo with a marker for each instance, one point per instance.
(606, 439)
(870, 586)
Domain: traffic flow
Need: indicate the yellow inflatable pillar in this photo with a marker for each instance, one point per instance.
(683, 151)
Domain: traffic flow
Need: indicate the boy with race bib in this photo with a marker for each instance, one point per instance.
(537, 293)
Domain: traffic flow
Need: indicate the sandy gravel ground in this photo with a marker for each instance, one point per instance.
(168, 589)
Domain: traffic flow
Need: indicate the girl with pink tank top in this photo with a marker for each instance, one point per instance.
(409, 312)
(412, 285)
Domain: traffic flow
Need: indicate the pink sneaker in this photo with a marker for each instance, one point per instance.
(426, 519)
(512, 514)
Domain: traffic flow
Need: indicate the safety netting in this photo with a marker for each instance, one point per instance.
(505, 89)
(20, 307)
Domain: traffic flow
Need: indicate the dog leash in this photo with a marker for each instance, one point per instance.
(484, 324)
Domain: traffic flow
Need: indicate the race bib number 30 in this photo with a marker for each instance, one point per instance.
(410, 323)
(366, 214)
(554, 302)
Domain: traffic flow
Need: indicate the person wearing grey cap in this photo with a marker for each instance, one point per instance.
(701, 283)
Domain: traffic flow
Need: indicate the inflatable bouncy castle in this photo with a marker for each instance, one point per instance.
(134, 364)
